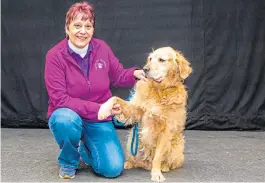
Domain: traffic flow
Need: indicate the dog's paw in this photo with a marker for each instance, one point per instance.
(164, 168)
(157, 176)
(120, 118)
(105, 110)
(128, 165)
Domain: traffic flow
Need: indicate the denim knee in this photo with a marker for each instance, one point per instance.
(67, 123)
(106, 150)
(111, 169)
(111, 165)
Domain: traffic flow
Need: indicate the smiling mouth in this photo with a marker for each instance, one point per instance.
(81, 37)
(156, 79)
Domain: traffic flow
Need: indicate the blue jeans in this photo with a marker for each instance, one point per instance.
(99, 143)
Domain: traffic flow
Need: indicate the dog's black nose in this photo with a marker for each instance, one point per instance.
(146, 69)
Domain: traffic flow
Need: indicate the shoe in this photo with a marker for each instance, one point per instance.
(85, 160)
(67, 173)
(82, 164)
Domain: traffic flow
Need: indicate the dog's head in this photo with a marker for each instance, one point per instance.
(167, 63)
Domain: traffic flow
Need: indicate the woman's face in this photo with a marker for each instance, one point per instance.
(80, 32)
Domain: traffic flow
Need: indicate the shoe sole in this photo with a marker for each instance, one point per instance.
(66, 176)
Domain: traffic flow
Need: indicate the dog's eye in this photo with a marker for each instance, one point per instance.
(161, 60)
(150, 58)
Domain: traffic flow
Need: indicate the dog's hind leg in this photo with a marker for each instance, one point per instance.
(136, 161)
(176, 156)
(165, 167)
(178, 160)
(128, 164)
(130, 160)
(145, 164)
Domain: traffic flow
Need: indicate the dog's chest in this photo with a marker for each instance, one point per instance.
(148, 101)
(149, 131)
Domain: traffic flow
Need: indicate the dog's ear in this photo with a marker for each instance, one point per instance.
(183, 65)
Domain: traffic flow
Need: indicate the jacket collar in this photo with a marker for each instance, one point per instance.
(67, 55)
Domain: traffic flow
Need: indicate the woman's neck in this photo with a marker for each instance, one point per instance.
(80, 51)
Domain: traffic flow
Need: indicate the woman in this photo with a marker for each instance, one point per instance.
(78, 73)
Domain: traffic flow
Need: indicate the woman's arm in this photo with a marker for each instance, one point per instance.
(54, 76)
(119, 76)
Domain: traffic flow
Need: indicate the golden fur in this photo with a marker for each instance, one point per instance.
(159, 107)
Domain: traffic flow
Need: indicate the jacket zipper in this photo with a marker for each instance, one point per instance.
(88, 85)
(86, 78)
(88, 82)
(90, 63)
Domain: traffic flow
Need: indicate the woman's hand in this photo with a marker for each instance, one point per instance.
(108, 108)
(139, 74)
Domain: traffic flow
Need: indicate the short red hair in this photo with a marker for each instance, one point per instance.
(83, 8)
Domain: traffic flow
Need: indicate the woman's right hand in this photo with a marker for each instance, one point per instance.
(108, 108)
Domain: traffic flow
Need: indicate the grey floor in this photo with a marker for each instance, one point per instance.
(30, 155)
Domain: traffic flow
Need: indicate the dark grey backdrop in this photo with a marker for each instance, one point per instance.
(223, 40)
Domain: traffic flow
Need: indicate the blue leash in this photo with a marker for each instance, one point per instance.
(135, 134)
(135, 137)
(117, 123)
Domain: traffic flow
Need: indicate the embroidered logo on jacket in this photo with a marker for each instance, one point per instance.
(100, 64)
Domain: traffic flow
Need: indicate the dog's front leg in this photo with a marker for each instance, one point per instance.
(161, 148)
(130, 113)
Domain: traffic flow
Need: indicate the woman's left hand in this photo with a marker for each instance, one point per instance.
(139, 74)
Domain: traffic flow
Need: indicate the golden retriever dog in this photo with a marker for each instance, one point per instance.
(159, 108)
